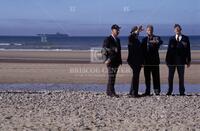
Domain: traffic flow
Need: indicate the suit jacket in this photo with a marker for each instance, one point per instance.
(179, 50)
(113, 48)
(135, 51)
(151, 51)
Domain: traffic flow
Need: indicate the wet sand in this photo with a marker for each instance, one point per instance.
(76, 56)
(73, 67)
(79, 73)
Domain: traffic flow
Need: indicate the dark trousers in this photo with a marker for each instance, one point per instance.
(155, 71)
(181, 70)
(135, 79)
(112, 72)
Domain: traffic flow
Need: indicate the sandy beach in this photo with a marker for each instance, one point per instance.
(67, 110)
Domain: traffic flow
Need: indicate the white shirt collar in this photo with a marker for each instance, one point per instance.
(114, 37)
(180, 37)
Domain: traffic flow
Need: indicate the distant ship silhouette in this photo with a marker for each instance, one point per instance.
(54, 35)
(44, 37)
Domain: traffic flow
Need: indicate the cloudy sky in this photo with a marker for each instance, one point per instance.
(94, 17)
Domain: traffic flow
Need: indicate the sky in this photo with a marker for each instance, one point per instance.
(95, 17)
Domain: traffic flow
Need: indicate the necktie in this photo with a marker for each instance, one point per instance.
(115, 40)
(178, 38)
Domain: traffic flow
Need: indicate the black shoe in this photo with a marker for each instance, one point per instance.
(157, 94)
(113, 95)
(169, 94)
(182, 94)
(146, 94)
(134, 95)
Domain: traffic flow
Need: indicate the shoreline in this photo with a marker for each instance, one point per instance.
(93, 88)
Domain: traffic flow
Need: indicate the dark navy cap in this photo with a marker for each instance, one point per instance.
(115, 26)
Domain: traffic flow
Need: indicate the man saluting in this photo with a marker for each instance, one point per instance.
(112, 50)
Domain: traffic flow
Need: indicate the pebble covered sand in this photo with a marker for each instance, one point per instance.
(95, 111)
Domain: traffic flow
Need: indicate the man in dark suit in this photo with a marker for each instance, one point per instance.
(112, 49)
(178, 54)
(135, 59)
(152, 60)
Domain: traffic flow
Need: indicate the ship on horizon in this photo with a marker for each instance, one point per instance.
(54, 35)
(44, 37)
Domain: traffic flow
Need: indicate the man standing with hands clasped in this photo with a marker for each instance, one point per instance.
(178, 54)
(112, 51)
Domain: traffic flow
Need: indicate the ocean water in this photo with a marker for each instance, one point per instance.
(71, 43)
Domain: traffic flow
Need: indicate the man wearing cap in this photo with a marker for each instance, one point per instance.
(113, 58)
(152, 60)
(178, 55)
(135, 59)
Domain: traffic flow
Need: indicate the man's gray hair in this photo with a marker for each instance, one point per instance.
(150, 26)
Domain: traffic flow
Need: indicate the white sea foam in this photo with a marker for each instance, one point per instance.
(6, 44)
(17, 44)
